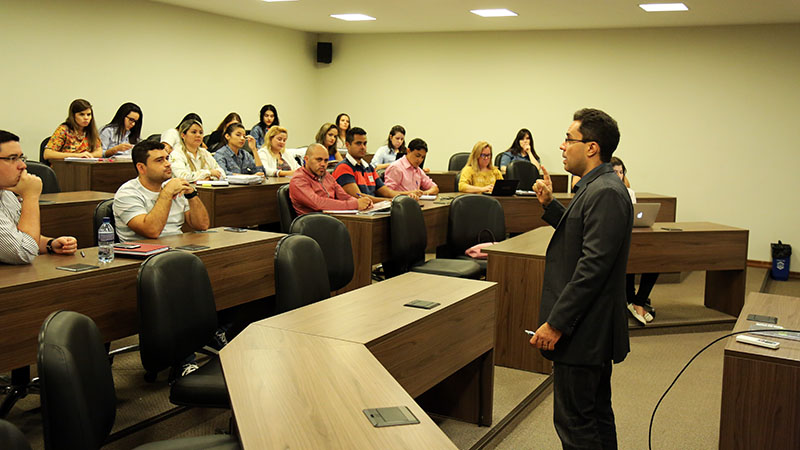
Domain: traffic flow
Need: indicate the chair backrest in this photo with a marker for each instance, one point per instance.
(497, 159)
(300, 273)
(78, 400)
(457, 180)
(11, 438)
(457, 161)
(523, 171)
(286, 211)
(408, 235)
(177, 312)
(470, 215)
(49, 180)
(41, 151)
(334, 240)
(154, 137)
(104, 209)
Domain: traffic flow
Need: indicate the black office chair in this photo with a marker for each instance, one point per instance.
(154, 137)
(299, 273)
(11, 438)
(457, 180)
(474, 219)
(497, 159)
(458, 161)
(79, 402)
(286, 211)
(525, 172)
(178, 316)
(49, 180)
(41, 152)
(334, 241)
(104, 209)
(408, 241)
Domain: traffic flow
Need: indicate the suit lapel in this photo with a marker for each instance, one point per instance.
(577, 196)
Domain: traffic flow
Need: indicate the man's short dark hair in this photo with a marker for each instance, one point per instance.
(142, 150)
(417, 144)
(351, 132)
(7, 136)
(599, 127)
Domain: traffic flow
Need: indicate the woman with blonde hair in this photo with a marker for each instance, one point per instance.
(77, 136)
(192, 162)
(275, 164)
(479, 174)
(327, 137)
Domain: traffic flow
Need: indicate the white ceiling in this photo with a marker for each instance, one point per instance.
(453, 15)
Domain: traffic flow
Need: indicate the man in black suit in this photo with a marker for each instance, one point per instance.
(583, 326)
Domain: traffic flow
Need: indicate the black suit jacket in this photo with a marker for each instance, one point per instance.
(583, 295)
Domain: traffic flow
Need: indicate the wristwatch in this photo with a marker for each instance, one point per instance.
(190, 195)
(50, 246)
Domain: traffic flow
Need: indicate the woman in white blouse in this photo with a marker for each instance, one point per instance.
(272, 154)
(190, 161)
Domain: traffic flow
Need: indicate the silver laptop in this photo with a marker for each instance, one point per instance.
(644, 214)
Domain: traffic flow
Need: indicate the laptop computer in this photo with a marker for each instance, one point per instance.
(644, 214)
(504, 188)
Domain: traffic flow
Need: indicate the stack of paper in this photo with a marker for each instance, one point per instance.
(245, 179)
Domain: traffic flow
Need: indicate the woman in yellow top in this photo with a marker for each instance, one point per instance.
(479, 175)
(77, 136)
(192, 162)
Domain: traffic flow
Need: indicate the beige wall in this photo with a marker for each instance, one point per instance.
(706, 114)
(168, 60)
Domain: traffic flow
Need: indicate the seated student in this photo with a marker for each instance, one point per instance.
(405, 174)
(190, 161)
(638, 302)
(272, 154)
(479, 175)
(357, 176)
(312, 189)
(521, 150)
(122, 133)
(215, 138)
(269, 117)
(77, 136)
(342, 124)
(233, 158)
(172, 138)
(391, 152)
(20, 233)
(326, 136)
(146, 208)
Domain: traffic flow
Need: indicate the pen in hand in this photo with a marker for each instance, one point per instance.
(83, 255)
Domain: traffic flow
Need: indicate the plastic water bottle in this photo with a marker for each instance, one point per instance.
(105, 240)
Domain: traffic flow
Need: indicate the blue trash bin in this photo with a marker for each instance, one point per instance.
(781, 254)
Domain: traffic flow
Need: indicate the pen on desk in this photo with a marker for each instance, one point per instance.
(83, 255)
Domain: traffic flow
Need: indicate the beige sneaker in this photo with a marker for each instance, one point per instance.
(636, 315)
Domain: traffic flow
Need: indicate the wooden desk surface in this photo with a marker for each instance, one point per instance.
(446, 180)
(294, 390)
(71, 214)
(240, 266)
(104, 176)
(243, 205)
(787, 310)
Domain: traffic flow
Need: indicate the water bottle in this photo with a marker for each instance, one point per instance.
(105, 241)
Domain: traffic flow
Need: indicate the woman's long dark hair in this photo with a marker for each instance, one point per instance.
(90, 130)
(397, 129)
(263, 111)
(119, 122)
(516, 149)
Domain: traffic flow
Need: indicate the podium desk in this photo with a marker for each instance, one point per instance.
(242, 205)
(71, 214)
(240, 266)
(371, 240)
(760, 387)
(301, 379)
(103, 176)
(517, 264)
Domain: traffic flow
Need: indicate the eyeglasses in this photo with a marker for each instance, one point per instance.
(484, 155)
(14, 158)
(568, 140)
(132, 120)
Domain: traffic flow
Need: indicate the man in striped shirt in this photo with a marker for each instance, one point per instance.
(20, 234)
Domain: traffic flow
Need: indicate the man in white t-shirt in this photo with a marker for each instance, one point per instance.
(146, 207)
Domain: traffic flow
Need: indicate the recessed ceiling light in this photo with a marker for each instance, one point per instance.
(493, 12)
(352, 17)
(662, 7)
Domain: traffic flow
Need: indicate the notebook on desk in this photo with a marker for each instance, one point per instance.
(644, 214)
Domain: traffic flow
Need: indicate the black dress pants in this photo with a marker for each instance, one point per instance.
(582, 411)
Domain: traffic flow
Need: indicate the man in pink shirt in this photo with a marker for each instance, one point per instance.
(313, 189)
(405, 174)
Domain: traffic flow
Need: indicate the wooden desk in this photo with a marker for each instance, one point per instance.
(243, 205)
(517, 264)
(240, 266)
(760, 395)
(447, 181)
(371, 242)
(105, 176)
(309, 373)
(71, 214)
